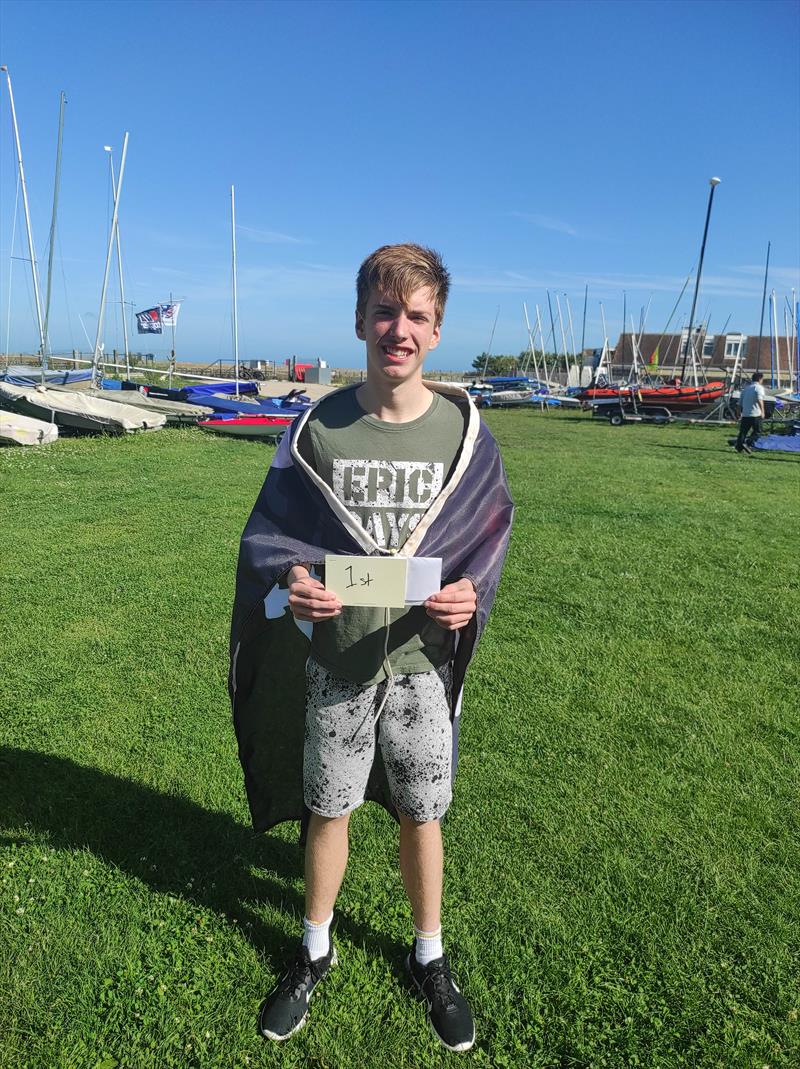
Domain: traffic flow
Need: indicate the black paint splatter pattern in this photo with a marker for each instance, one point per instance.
(413, 731)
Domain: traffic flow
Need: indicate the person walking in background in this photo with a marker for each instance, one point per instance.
(752, 405)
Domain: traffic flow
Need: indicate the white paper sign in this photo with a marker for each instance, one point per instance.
(423, 578)
(375, 581)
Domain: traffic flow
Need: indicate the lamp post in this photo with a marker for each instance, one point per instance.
(713, 182)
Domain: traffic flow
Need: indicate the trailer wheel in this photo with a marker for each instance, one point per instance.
(617, 419)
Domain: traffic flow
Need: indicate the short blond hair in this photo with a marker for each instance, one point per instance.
(398, 270)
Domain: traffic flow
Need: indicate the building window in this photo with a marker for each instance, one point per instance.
(735, 345)
(708, 346)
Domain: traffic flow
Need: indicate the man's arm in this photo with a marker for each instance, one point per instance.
(454, 605)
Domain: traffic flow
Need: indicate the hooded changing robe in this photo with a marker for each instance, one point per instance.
(297, 519)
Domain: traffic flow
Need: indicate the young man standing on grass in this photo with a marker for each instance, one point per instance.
(752, 405)
(394, 466)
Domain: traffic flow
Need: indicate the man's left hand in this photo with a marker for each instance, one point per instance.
(454, 606)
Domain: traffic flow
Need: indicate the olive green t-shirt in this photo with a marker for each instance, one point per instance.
(386, 475)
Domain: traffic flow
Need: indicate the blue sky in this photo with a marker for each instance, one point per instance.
(536, 145)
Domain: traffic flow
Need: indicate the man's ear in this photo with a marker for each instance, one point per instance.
(436, 338)
(360, 326)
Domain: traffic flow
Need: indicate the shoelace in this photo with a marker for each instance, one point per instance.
(299, 976)
(442, 984)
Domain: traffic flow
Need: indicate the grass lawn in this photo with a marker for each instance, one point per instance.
(623, 857)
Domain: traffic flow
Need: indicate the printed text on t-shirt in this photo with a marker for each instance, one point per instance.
(387, 497)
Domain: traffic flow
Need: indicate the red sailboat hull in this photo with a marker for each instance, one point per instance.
(676, 398)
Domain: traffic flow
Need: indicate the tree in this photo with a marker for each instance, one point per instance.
(510, 365)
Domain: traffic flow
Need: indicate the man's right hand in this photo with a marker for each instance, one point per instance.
(308, 598)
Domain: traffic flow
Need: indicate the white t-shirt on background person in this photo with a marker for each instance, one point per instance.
(752, 396)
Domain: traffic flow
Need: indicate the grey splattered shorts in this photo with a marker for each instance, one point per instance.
(413, 731)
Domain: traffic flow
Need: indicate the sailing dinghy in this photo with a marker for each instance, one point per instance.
(177, 412)
(78, 412)
(247, 426)
(23, 430)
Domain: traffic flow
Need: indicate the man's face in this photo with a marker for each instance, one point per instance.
(398, 335)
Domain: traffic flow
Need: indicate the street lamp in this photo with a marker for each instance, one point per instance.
(713, 182)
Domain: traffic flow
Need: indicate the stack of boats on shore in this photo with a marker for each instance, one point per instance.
(35, 407)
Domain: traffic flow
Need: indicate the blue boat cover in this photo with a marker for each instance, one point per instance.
(779, 443)
(25, 375)
(265, 406)
(222, 387)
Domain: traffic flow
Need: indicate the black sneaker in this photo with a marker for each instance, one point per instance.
(286, 1008)
(448, 1011)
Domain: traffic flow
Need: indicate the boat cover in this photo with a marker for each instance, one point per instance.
(115, 417)
(25, 430)
(265, 406)
(779, 443)
(26, 375)
(172, 409)
(222, 387)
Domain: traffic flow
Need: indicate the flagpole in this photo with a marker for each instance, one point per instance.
(235, 310)
(172, 356)
(96, 354)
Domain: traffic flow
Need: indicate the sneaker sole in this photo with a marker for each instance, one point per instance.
(287, 1035)
(459, 1047)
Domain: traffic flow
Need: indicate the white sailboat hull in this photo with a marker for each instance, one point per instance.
(16, 429)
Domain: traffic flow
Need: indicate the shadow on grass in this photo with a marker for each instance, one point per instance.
(165, 841)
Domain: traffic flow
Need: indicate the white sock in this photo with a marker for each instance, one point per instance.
(429, 945)
(317, 937)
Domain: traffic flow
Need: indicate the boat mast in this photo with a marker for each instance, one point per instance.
(624, 314)
(572, 335)
(563, 338)
(56, 188)
(795, 343)
(32, 254)
(531, 346)
(583, 328)
(713, 182)
(776, 353)
(541, 341)
(115, 217)
(605, 355)
(235, 298)
(763, 303)
(552, 326)
(787, 331)
(119, 267)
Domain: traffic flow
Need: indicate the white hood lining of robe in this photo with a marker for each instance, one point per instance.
(412, 543)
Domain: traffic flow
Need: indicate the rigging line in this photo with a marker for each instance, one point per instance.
(674, 310)
(491, 340)
(66, 297)
(11, 268)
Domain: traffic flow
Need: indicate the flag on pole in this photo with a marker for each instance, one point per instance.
(654, 357)
(169, 313)
(149, 321)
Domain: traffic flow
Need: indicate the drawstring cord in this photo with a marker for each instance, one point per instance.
(387, 667)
